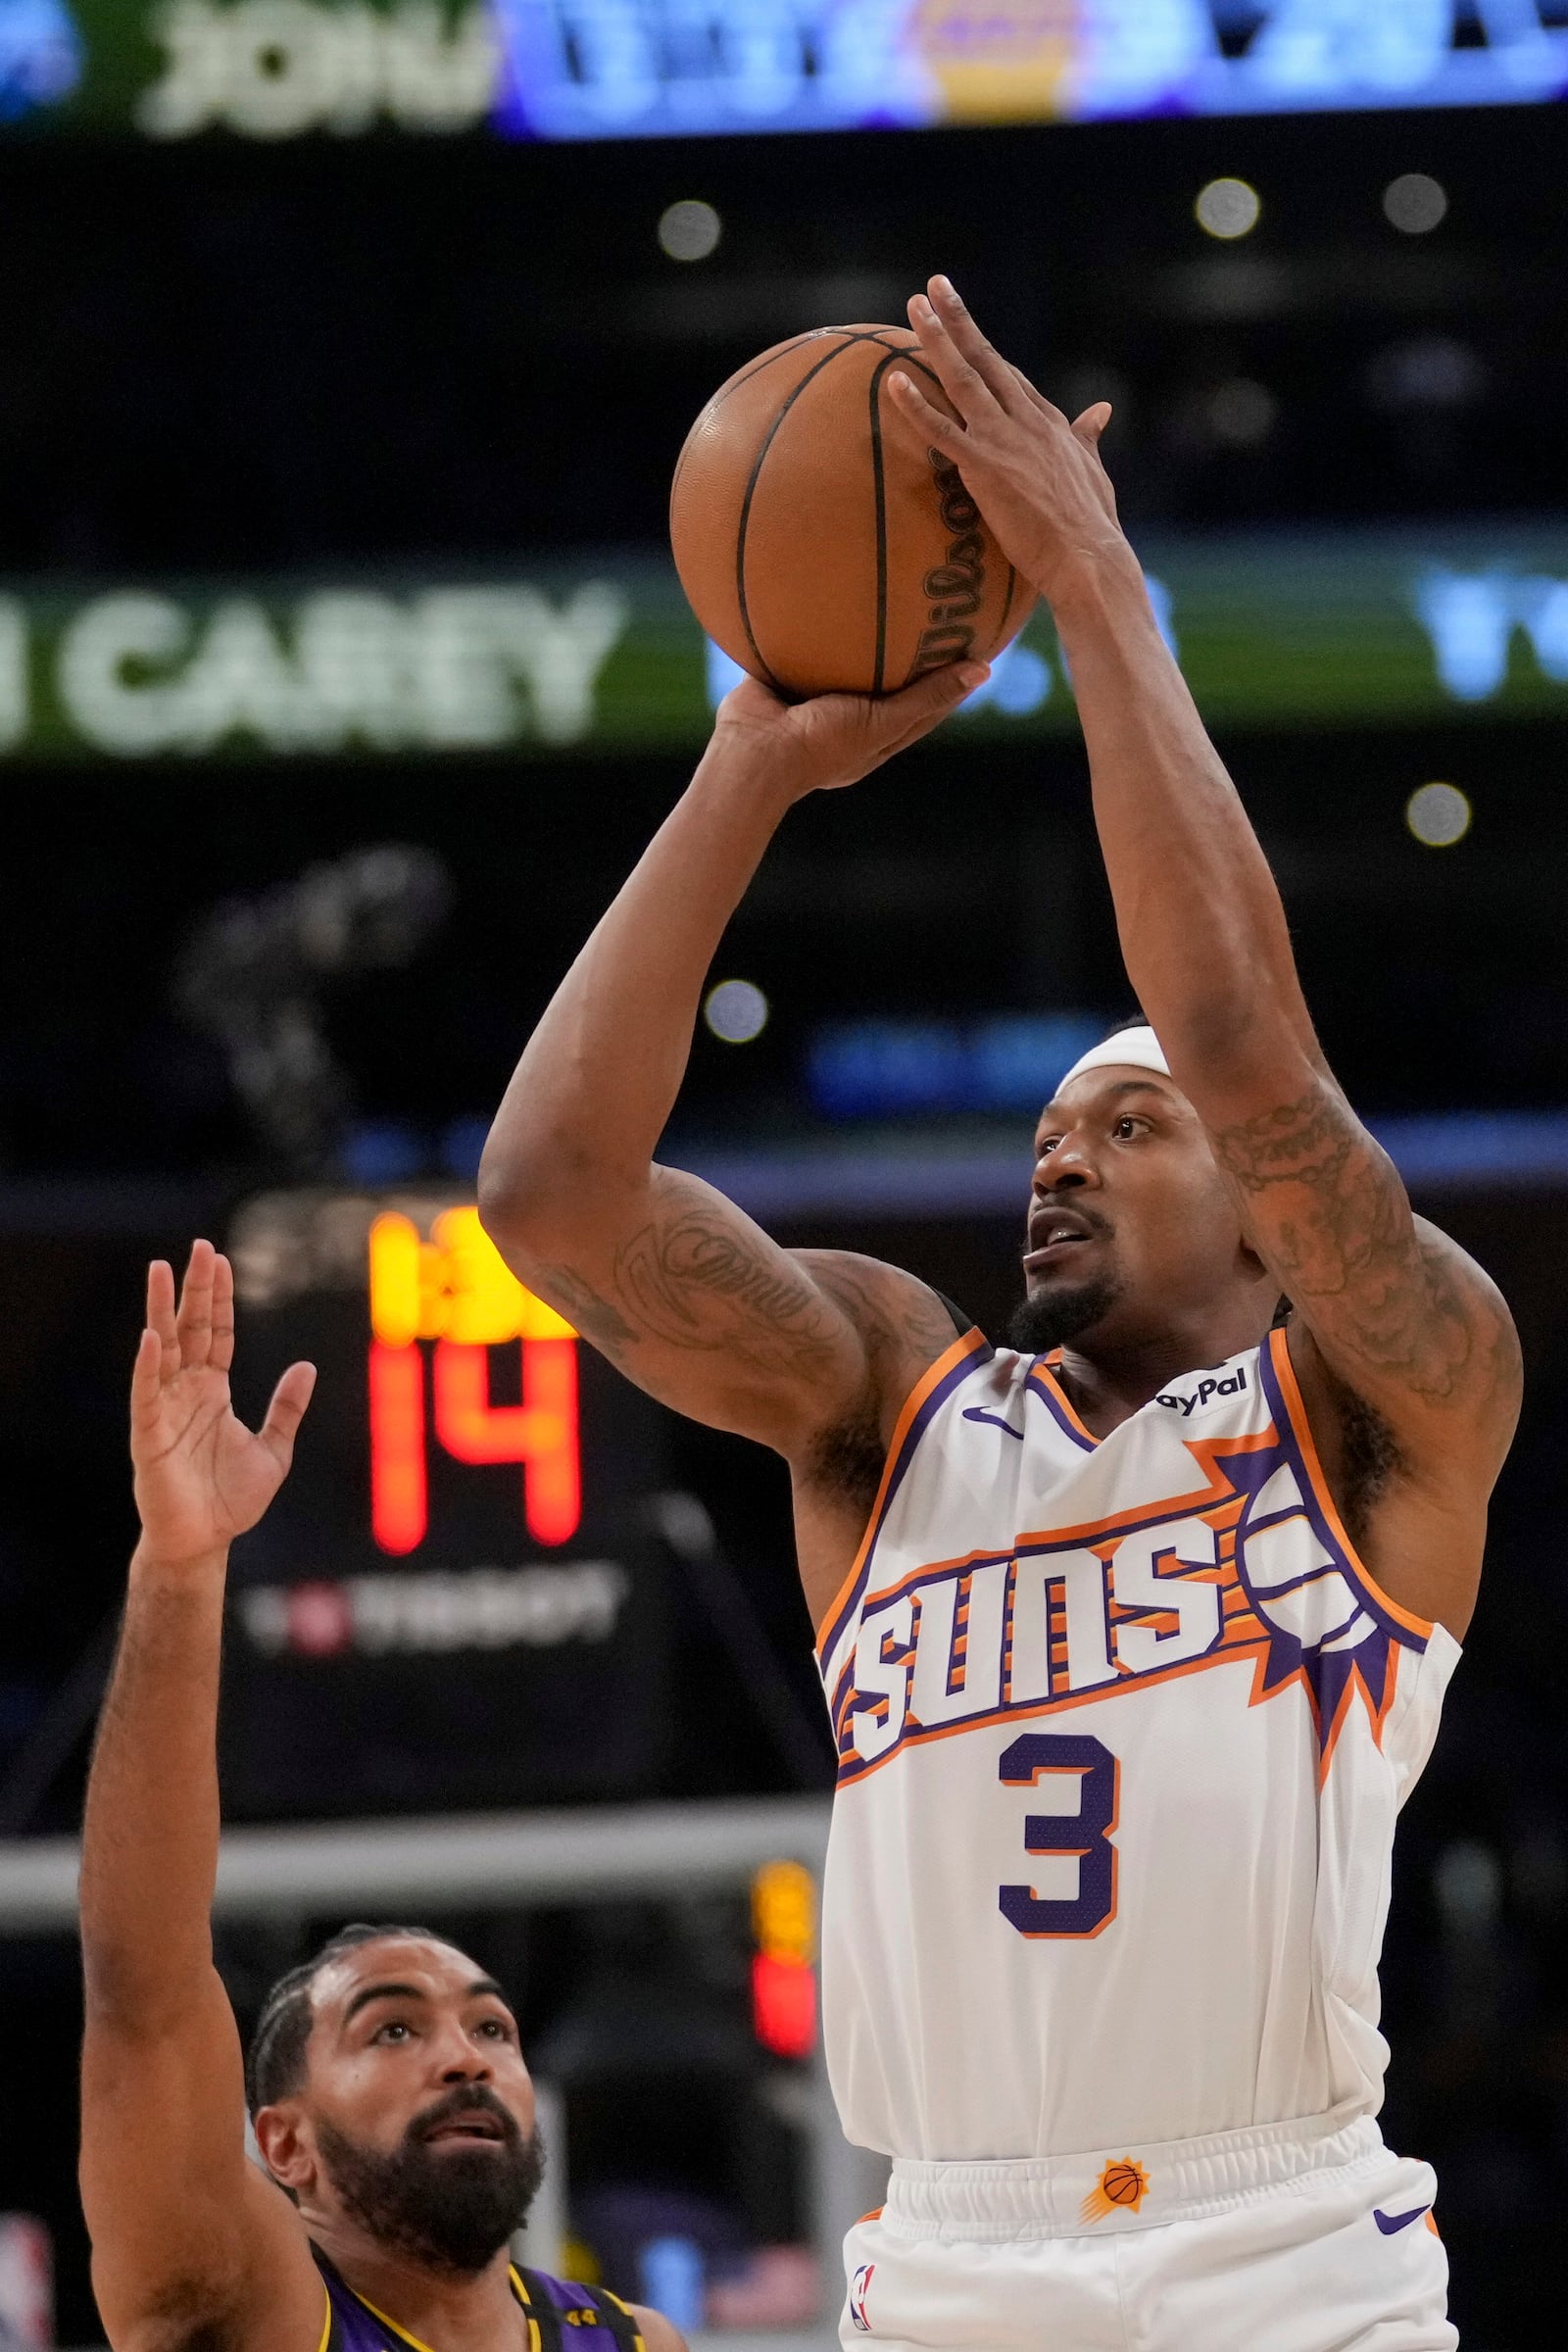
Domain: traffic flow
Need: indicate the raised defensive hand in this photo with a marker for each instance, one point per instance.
(1036, 478)
(202, 1476)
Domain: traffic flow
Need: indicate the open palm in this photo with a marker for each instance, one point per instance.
(202, 1476)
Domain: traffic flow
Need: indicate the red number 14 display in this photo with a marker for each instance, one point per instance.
(451, 1296)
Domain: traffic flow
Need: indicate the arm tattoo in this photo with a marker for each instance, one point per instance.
(697, 1277)
(904, 1328)
(676, 1277)
(1337, 1228)
(595, 1317)
(697, 1280)
(904, 1319)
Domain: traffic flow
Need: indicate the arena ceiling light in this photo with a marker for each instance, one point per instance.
(736, 1010)
(1415, 203)
(1228, 208)
(1438, 814)
(689, 232)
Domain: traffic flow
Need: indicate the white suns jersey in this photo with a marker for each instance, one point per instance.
(1122, 1729)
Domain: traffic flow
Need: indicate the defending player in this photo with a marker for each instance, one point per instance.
(1134, 1633)
(390, 2099)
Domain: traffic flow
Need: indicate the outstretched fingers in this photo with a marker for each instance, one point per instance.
(939, 431)
(285, 1413)
(160, 1318)
(1036, 398)
(196, 1305)
(222, 1312)
(146, 1383)
(975, 376)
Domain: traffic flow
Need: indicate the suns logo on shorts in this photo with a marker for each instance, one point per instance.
(1123, 2182)
(859, 2288)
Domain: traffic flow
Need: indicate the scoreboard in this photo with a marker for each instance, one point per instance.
(274, 71)
(455, 1599)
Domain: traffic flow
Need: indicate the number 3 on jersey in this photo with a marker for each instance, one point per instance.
(1083, 1834)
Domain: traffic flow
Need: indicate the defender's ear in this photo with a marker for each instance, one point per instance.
(287, 2147)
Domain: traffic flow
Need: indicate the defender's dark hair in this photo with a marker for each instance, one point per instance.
(275, 2063)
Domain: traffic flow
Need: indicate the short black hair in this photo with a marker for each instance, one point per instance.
(275, 2063)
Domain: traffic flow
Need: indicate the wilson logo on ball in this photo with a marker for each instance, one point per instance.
(957, 585)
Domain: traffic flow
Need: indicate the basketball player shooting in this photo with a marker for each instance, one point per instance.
(392, 2107)
(1135, 1631)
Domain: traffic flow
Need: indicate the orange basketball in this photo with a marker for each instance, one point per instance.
(1122, 2184)
(819, 543)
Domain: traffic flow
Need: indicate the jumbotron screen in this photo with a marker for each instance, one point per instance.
(272, 70)
(605, 68)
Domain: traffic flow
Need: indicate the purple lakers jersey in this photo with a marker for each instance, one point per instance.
(596, 2319)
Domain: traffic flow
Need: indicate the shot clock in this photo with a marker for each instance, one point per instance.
(454, 1600)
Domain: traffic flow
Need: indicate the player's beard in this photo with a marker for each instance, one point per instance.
(1052, 1315)
(453, 2211)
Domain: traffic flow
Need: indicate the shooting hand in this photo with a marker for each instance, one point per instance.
(1036, 478)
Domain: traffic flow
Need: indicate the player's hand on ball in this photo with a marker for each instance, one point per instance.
(202, 1476)
(1036, 478)
(835, 738)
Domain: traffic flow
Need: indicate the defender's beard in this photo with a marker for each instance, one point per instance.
(453, 2211)
(1049, 1318)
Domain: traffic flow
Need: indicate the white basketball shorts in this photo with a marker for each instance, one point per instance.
(1292, 2238)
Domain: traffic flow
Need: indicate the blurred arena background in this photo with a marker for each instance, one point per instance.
(343, 672)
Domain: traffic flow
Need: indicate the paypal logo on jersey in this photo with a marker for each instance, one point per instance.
(40, 56)
(1204, 1392)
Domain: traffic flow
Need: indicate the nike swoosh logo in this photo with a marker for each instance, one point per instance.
(1388, 2222)
(977, 1412)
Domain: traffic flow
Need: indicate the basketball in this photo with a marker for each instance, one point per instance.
(1122, 2184)
(819, 543)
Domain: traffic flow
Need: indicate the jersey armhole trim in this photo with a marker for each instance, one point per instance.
(326, 2324)
(1300, 1429)
(900, 1446)
(611, 2296)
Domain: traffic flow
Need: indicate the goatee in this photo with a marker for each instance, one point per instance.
(453, 2211)
(1049, 1318)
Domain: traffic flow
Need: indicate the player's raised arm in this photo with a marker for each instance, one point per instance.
(1404, 1348)
(190, 2243)
(669, 1279)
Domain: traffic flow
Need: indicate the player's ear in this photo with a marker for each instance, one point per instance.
(287, 2148)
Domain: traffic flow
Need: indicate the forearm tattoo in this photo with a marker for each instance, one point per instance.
(1341, 1236)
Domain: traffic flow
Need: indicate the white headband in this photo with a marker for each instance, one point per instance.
(1139, 1046)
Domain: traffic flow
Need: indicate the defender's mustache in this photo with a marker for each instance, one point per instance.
(473, 2098)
